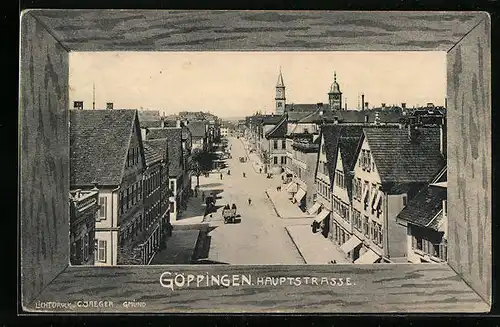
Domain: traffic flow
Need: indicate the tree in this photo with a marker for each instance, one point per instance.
(202, 160)
(266, 159)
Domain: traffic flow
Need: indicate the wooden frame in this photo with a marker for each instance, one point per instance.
(47, 36)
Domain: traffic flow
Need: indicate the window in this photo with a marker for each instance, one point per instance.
(445, 208)
(102, 207)
(172, 185)
(365, 226)
(121, 202)
(283, 160)
(283, 144)
(275, 144)
(101, 250)
(275, 160)
(404, 200)
(137, 191)
(85, 248)
(380, 239)
(279, 104)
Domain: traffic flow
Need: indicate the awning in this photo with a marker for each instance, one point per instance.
(368, 257)
(377, 200)
(292, 187)
(322, 215)
(350, 244)
(299, 195)
(314, 208)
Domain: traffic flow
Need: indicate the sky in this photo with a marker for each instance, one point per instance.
(237, 84)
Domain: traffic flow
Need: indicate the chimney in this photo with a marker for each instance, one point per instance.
(366, 105)
(377, 119)
(345, 106)
(109, 105)
(178, 123)
(446, 102)
(336, 120)
(413, 133)
(366, 118)
(94, 182)
(363, 101)
(383, 104)
(144, 132)
(403, 105)
(78, 104)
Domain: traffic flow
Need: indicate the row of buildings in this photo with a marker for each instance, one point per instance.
(130, 177)
(375, 180)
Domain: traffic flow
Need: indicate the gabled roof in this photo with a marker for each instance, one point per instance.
(347, 146)
(152, 156)
(150, 123)
(345, 138)
(174, 139)
(294, 117)
(278, 131)
(425, 209)
(99, 144)
(400, 160)
(270, 119)
(197, 128)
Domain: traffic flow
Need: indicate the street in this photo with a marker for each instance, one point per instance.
(260, 236)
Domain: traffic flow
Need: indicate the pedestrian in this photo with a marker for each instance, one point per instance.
(244, 175)
(203, 195)
(260, 170)
(249, 201)
(220, 175)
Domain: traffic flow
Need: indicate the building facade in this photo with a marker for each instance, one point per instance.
(107, 152)
(84, 208)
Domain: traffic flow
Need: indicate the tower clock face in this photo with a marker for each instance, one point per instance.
(336, 96)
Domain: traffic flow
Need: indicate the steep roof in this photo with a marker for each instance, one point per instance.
(99, 144)
(150, 123)
(270, 119)
(197, 128)
(345, 137)
(296, 116)
(347, 146)
(174, 138)
(425, 209)
(400, 160)
(278, 131)
(152, 156)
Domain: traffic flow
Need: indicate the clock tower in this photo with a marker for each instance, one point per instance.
(335, 96)
(280, 95)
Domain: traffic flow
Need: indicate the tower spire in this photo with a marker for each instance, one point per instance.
(93, 95)
(280, 79)
(334, 76)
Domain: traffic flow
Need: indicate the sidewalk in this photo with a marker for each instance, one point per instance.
(283, 206)
(253, 158)
(180, 248)
(314, 248)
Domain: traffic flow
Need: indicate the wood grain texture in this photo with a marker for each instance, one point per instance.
(378, 288)
(469, 159)
(156, 30)
(44, 175)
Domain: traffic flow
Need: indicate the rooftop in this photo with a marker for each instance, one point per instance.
(99, 143)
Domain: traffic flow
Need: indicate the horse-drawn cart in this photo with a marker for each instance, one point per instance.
(229, 213)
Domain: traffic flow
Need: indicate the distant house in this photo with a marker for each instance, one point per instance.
(106, 151)
(84, 208)
(391, 166)
(179, 174)
(150, 233)
(276, 145)
(333, 180)
(199, 134)
(305, 150)
(426, 221)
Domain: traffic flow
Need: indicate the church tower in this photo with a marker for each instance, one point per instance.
(335, 96)
(280, 95)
